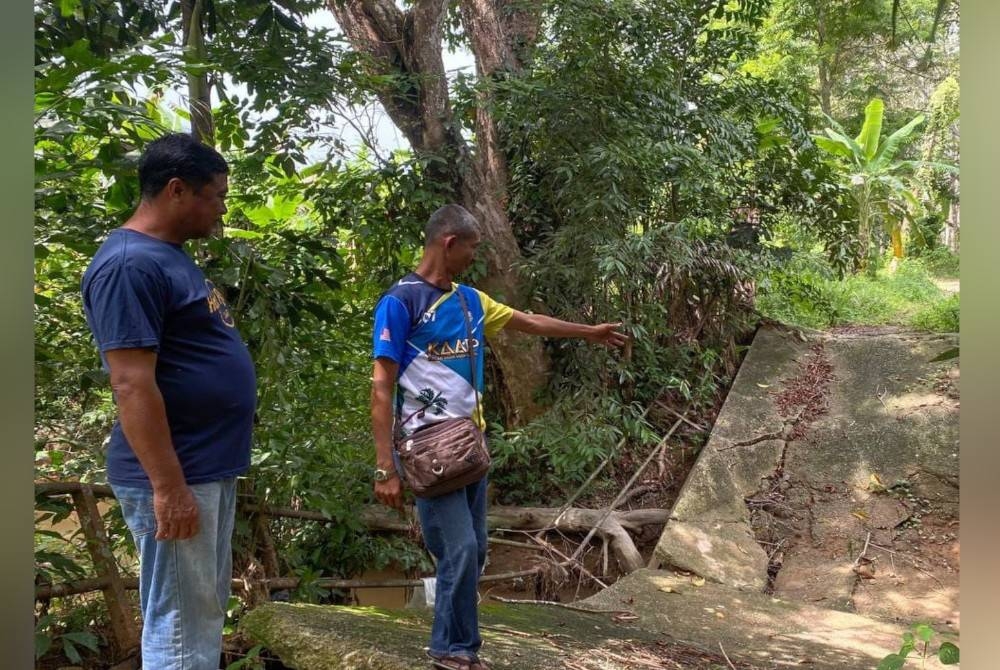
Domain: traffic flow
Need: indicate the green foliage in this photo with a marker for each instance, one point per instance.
(805, 291)
(555, 453)
(941, 316)
(874, 174)
(941, 262)
(637, 195)
(651, 148)
(841, 51)
(251, 661)
(919, 641)
(65, 635)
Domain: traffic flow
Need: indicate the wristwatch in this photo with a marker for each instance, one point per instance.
(383, 475)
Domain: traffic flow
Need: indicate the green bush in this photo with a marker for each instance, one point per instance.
(941, 262)
(940, 317)
(549, 457)
(804, 291)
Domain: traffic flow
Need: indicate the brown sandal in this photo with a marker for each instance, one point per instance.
(454, 662)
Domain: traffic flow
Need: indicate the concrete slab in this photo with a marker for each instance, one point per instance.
(840, 456)
(725, 552)
(669, 616)
(515, 637)
(756, 628)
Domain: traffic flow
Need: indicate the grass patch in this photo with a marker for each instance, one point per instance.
(941, 263)
(939, 317)
(804, 291)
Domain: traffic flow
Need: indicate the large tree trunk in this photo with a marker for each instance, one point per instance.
(408, 44)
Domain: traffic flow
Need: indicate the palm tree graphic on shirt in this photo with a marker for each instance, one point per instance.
(432, 400)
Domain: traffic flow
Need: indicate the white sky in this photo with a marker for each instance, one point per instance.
(387, 137)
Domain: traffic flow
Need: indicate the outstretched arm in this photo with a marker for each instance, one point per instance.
(547, 326)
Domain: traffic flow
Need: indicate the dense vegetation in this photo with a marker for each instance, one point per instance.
(684, 167)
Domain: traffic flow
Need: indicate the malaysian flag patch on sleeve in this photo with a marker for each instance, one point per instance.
(385, 336)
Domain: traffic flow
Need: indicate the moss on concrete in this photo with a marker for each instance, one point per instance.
(518, 637)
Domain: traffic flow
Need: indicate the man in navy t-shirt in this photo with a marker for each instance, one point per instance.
(186, 393)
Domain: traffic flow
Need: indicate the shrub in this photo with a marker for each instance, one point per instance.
(940, 317)
(804, 291)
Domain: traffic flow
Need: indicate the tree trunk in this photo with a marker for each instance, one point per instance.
(896, 235)
(825, 83)
(407, 44)
(199, 93)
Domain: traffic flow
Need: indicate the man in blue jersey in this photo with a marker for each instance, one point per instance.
(186, 393)
(421, 352)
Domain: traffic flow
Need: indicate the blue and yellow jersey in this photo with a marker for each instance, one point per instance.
(422, 328)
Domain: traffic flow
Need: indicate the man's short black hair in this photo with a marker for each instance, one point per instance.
(450, 220)
(178, 155)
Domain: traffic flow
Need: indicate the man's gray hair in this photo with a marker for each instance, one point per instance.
(450, 220)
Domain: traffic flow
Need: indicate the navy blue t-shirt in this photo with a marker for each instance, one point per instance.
(142, 292)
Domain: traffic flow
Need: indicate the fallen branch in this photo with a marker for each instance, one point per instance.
(682, 417)
(283, 583)
(629, 557)
(863, 551)
(381, 518)
(543, 544)
(726, 656)
(512, 543)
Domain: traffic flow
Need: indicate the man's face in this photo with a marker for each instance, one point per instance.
(203, 208)
(460, 252)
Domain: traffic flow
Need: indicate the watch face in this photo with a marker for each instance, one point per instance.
(381, 475)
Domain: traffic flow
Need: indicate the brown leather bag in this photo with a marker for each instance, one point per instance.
(441, 457)
(444, 456)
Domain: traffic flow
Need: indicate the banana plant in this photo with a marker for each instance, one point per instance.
(877, 177)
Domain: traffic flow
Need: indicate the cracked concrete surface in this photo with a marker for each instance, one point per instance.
(709, 530)
(786, 503)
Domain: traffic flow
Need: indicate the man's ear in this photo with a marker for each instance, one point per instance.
(449, 240)
(175, 187)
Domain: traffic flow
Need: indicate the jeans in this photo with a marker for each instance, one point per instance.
(454, 528)
(183, 584)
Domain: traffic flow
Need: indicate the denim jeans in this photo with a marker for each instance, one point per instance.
(454, 528)
(183, 584)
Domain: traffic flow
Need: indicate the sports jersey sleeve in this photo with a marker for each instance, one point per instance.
(125, 308)
(392, 327)
(496, 314)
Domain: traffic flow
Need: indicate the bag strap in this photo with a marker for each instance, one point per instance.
(468, 343)
(398, 429)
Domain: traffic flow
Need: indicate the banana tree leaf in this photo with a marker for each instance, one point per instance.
(856, 153)
(895, 184)
(911, 199)
(916, 165)
(871, 131)
(888, 150)
(832, 146)
(835, 124)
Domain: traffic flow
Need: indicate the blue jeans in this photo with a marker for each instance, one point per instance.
(183, 584)
(454, 528)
